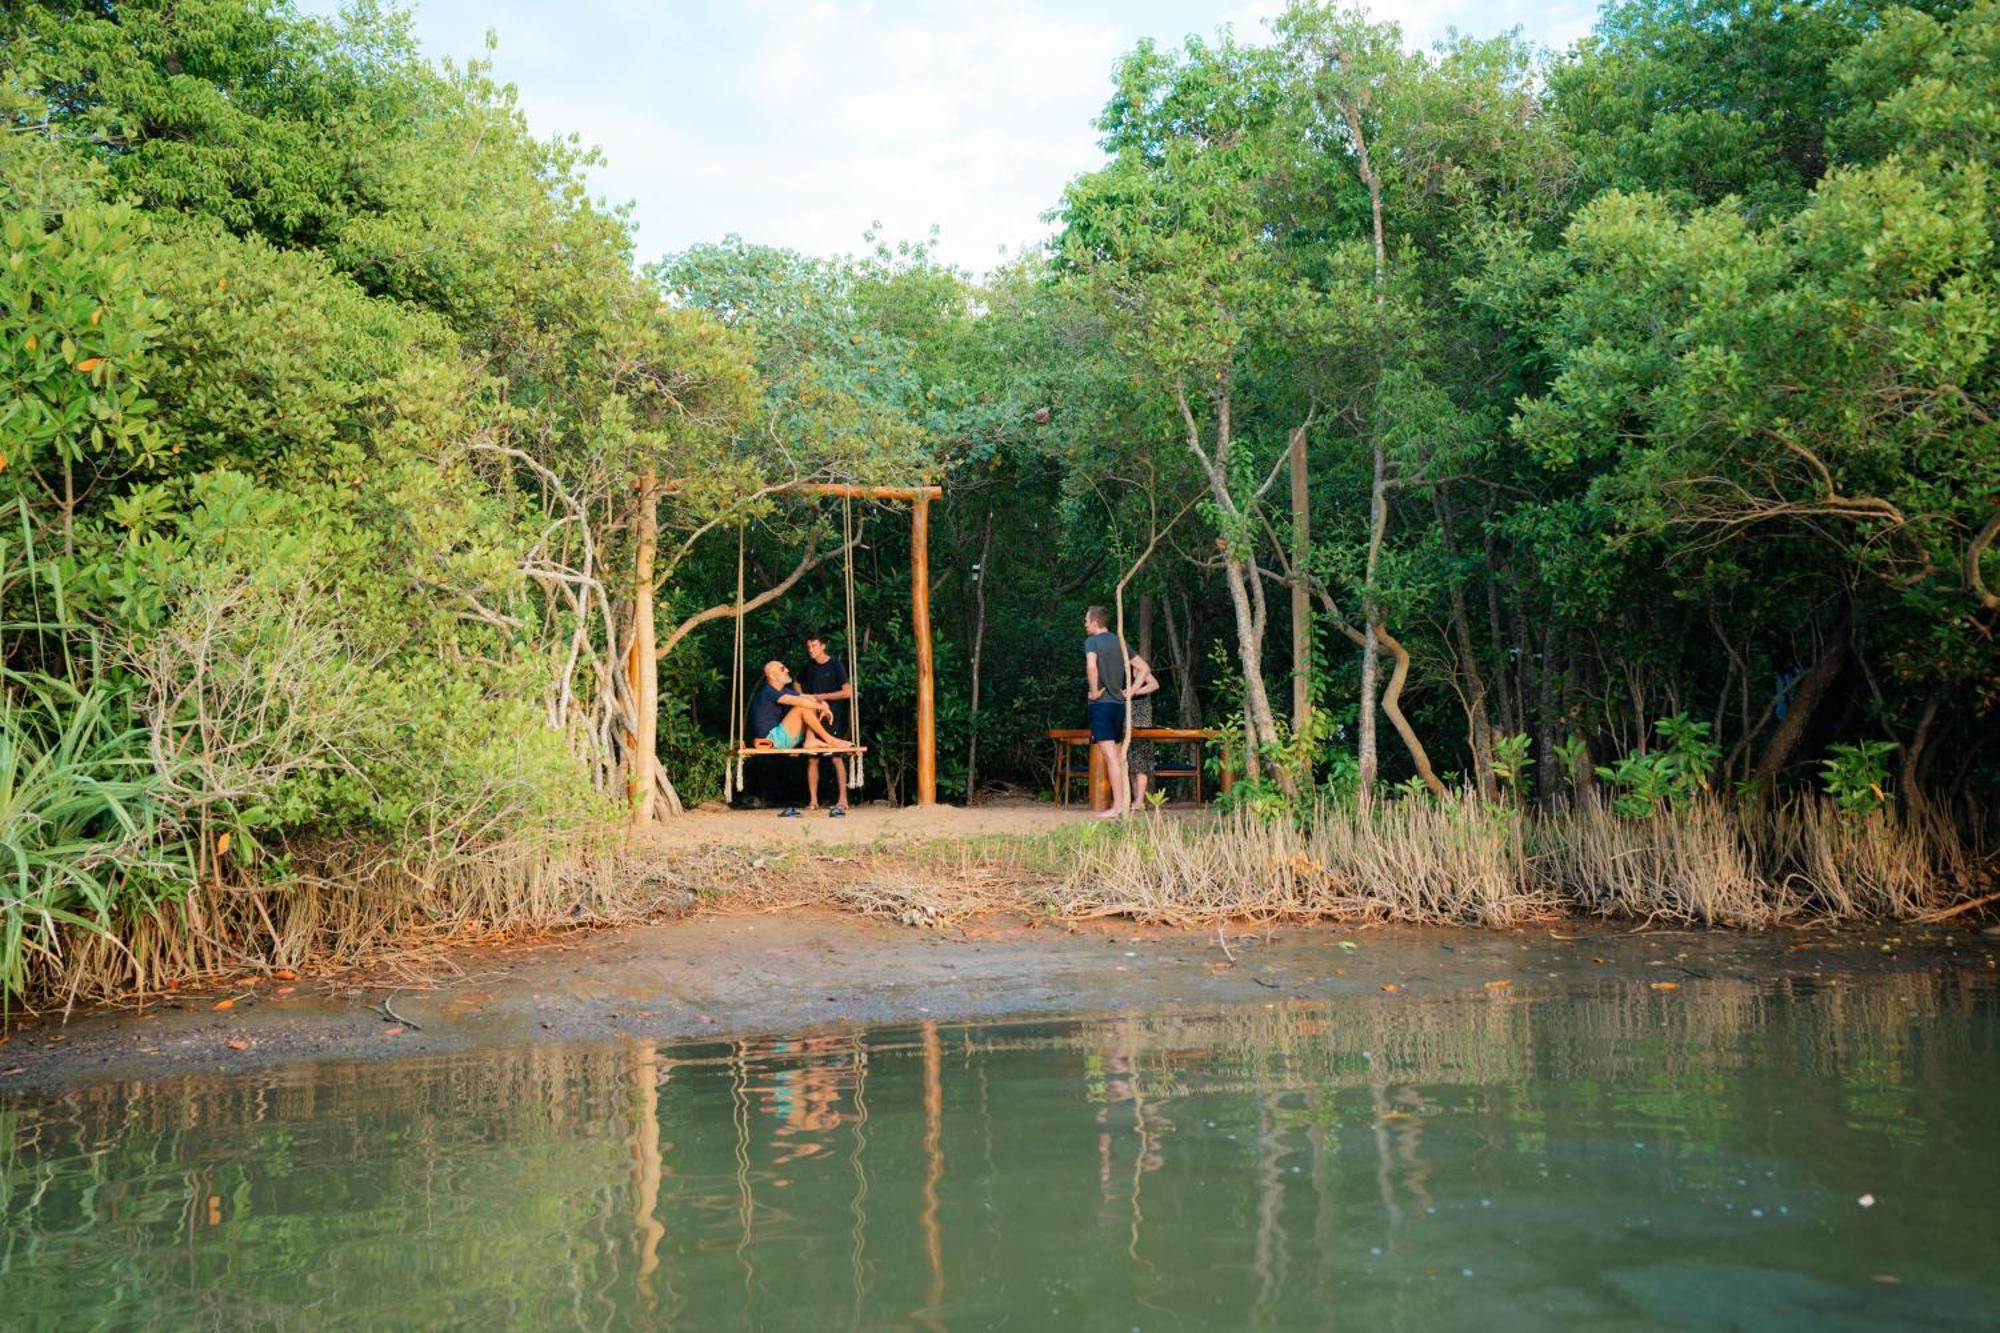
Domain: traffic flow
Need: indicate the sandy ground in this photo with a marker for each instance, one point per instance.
(722, 975)
(884, 824)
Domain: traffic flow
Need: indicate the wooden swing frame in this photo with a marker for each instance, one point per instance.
(919, 499)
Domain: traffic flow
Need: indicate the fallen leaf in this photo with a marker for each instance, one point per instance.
(1666, 985)
(286, 990)
(1349, 944)
(1498, 985)
(392, 1032)
(225, 1004)
(237, 1044)
(222, 845)
(1391, 987)
(284, 974)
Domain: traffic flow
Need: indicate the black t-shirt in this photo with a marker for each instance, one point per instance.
(824, 678)
(765, 710)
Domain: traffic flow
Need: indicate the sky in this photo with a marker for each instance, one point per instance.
(800, 123)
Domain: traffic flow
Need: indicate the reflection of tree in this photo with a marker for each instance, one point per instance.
(543, 1179)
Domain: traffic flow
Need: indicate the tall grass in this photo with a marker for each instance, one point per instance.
(1462, 862)
(76, 819)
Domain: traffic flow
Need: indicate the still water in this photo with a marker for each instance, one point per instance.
(1618, 1157)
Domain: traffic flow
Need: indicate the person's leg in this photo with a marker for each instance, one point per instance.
(812, 784)
(1139, 789)
(839, 782)
(1114, 773)
(805, 723)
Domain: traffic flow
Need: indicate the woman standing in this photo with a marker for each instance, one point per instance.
(1139, 753)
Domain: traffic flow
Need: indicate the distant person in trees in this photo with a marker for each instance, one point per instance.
(786, 719)
(1139, 753)
(825, 679)
(1104, 675)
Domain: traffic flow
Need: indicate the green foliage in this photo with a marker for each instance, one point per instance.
(76, 815)
(1671, 776)
(1856, 775)
(1512, 760)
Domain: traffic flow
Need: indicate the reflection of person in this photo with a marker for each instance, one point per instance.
(825, 678)
(1104, 673)
(786, 719)
(1139, 753)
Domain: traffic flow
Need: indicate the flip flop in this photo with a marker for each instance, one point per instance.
(838, 812)
(790, 812)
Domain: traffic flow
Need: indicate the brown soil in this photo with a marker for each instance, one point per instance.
(875, 823)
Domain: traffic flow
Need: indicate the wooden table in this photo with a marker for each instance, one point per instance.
(1100, 781)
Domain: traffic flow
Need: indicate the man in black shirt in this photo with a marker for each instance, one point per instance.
(784, 717)
(825, 679)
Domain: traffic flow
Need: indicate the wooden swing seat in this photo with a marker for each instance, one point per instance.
(764, 749)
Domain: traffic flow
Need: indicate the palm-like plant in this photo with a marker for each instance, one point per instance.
(76, 816)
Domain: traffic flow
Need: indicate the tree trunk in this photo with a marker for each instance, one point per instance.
(1301, 595)
(1391, 704)
(1912, 771)
(1371, 647)
(1479, 731)
(642, 759)
(1180, 646)
(978, 647)
(1805, 700)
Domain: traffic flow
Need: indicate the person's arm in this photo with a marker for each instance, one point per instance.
(846, 691)
(1090, 675)
(811, 701)
(1143, 679)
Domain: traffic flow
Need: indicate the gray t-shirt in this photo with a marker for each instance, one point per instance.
(1110, 664)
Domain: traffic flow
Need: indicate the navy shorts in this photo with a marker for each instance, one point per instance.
(1107, 719)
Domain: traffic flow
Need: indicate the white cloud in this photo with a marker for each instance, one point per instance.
(798, 122)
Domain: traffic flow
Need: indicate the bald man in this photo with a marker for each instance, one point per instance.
(788, 719)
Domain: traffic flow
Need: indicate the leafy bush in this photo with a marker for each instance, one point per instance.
(1856, 776)
(1670, 776)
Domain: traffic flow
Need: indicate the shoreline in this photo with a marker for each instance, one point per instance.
(725, 974)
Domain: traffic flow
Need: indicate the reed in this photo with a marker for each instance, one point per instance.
(1459, 862)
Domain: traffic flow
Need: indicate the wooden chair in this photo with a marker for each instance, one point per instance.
(1189, 768)
(1072, 765)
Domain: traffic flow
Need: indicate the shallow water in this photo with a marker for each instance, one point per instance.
(1624, 1156)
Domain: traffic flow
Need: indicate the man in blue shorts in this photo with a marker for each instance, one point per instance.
(1104, 675)
(787, 719)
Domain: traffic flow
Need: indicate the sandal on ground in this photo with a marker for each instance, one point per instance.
(789, 812)
(838, 812)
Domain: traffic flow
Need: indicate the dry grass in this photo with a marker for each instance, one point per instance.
(1460, 863)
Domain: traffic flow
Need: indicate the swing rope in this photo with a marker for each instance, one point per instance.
(733, 772)
(854, 761)
(732, 767)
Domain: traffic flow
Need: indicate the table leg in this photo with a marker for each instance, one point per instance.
(1100, 779)
(1228, 773)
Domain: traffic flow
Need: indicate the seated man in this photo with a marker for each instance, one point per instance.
(785, 718)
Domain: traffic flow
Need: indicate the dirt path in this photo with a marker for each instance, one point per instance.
(722, 975)
(875, 824)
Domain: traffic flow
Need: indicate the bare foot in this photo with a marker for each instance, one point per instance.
(1110, 814)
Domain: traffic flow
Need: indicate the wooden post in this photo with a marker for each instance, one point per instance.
(642, 741)
(920, 630)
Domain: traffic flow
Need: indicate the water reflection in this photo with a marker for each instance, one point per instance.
(1625, 1156)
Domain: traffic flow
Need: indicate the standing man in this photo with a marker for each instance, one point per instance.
(825, 679)
(1104, 677)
